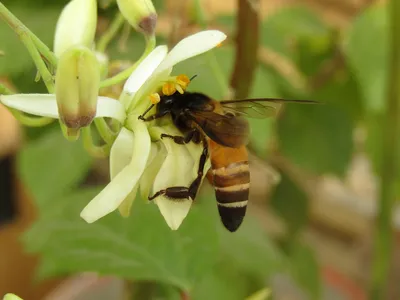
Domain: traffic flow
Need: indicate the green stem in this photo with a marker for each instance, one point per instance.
(5, 90)
(390, 161)
(91, 148)
(30, 121)
(110, 33)
(19, 27)
(40, 65)
(247, 41)
(150, 44)
(104, 130)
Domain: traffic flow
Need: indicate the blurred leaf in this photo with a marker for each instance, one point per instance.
(260, 295)
(282, 29)
(141, 247)
(367, 50)
(252, 250)
(291, 203)
(317, 137)
(305, 269)
(51, 166)
(225, 281)
(41, 20)
(264, 86)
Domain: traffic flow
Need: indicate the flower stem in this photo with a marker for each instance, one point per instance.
(91, 148)
(30, 121)
(19, 28)
(150, 44)
(40, 65)
(390, 161)
(104, 130)
(110, 32)
(247, 41)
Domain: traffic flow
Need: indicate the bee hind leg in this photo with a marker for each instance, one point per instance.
(182, 192)
(181, 140)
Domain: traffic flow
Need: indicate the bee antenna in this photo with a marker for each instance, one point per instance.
(193, 77)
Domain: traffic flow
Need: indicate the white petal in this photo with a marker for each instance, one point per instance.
(76, 25)
(145, 69)
(45, 105)
(173, 212)
(191, 46)
(177, 170)
(121, 152)
(111, 197)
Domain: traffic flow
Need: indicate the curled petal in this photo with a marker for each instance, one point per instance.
(111, 197)
(177, 170)
(191, 46)
(145, 69)
(121, 152)
(45, 105)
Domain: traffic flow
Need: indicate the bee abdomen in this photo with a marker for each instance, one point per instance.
(232, 185)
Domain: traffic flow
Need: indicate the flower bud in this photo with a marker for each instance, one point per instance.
(76, 25)
(141, 14)
(77, 86)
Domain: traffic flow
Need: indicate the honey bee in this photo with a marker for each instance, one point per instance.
(223, 130)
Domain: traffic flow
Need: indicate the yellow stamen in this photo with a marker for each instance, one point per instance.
(169, 88)
(219, 45)
(179, 88)
(183, 81)
(154, 98)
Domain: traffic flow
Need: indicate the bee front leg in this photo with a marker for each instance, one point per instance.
(181, 140)
(182, 192)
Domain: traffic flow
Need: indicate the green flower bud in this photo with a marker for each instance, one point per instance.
(77, 86)
(76, 25)
(141, 14)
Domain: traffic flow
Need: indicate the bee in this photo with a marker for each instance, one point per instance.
(223, 130)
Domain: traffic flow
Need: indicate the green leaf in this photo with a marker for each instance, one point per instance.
(141, 247)
(280, 30)
(291, 203)
(305, 269)
(41, 20)
(51, 166)
(251, 249)
(317, 137)
(367, 51)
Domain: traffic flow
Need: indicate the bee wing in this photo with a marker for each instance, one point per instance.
(257, 108)
(226, 130)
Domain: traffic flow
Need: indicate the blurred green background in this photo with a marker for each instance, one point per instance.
(307, 236)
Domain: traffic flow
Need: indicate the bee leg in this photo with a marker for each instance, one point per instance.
(153, 117)
(182, 192)
(181, 140)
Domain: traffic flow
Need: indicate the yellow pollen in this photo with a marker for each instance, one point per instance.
(183, 81)
(219, 45)
(154, 98)
(169, 88)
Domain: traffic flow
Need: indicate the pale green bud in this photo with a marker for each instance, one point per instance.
(11, 297)
(76, 25)
(77, 86)
(141, 14)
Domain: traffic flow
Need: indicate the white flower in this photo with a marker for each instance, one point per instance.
(134, 160)
(131, 151)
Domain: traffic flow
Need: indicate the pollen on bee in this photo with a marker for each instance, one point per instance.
(154, 98)
(168, 88)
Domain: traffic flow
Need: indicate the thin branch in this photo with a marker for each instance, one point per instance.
(390, 162)
(247, 41)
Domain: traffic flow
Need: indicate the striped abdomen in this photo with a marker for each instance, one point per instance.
(231, 180)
